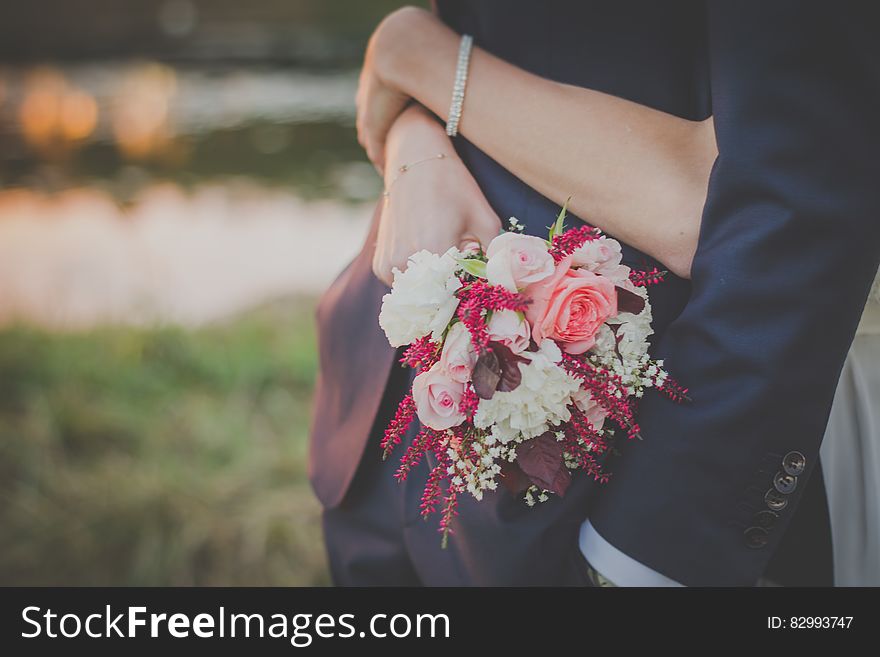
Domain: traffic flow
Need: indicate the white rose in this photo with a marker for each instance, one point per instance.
(422, 300)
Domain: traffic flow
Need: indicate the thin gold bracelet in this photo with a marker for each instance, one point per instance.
(403, 168)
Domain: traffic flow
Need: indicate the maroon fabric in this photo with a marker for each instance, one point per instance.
(355, 361)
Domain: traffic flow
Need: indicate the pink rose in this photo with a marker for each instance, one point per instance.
(570, 307)
(458, 356)
(515, 261)
(437, 398)
(601, 256)
(590, 408)
(508, 328)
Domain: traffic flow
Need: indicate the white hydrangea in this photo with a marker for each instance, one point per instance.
(605, 341)
(539, 402)
(422, 300)
(632, 332)
(635, 330)
(622, 349)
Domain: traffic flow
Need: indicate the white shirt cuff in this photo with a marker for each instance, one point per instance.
(614, 565)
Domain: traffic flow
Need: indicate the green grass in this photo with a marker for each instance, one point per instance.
(160, 456)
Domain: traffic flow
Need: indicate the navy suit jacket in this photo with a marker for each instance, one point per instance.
(789, 245)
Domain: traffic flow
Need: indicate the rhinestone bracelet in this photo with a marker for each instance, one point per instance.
(458, 88)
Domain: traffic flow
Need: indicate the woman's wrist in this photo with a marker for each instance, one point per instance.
(415, 116)
(415, 55)
(416, 134)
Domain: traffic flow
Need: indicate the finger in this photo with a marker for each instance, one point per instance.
(468, 244)
(379, 162)
(485, 230)
(376, 153)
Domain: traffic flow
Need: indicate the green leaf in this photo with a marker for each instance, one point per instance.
(473, 267)
(559, 225)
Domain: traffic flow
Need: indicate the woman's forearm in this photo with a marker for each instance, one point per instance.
(638, 173)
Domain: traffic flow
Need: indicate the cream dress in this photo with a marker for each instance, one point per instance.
(850, 457)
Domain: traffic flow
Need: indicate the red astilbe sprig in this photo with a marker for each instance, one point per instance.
(579, 428)
(421, 445)
(421, 354)
(564, 244)
(673, 390)
(607, 389)
(587, 462)
(397, 428)
(583, 443)
(478, 297)
(469, 402)
(450, 510)
(433, 491)
(648, 277)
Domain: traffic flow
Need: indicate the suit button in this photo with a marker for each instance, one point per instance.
(794, 463)
(775, 500)
(785, 483)
(756, 537)
(765, 519)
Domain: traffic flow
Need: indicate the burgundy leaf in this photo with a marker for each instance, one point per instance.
(513, 478)
(541, 461)
(486, 374)
(509, 362)
(629, 302)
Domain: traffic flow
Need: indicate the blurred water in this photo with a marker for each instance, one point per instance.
(198, 99)
(73, 260)
(140, 192)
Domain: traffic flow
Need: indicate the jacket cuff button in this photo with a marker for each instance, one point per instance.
(765, 519)
(775, 500)
(756, 537)
(785, 483)
(794, 463)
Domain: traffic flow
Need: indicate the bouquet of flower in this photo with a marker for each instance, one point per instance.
(530, 356)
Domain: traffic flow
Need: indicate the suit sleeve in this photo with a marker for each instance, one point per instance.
(789, 246)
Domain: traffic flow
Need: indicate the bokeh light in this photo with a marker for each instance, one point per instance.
(141, 110)
(79, 115)
(54, 114)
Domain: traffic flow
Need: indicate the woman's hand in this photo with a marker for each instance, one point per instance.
(433, 205)
(379, 101)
